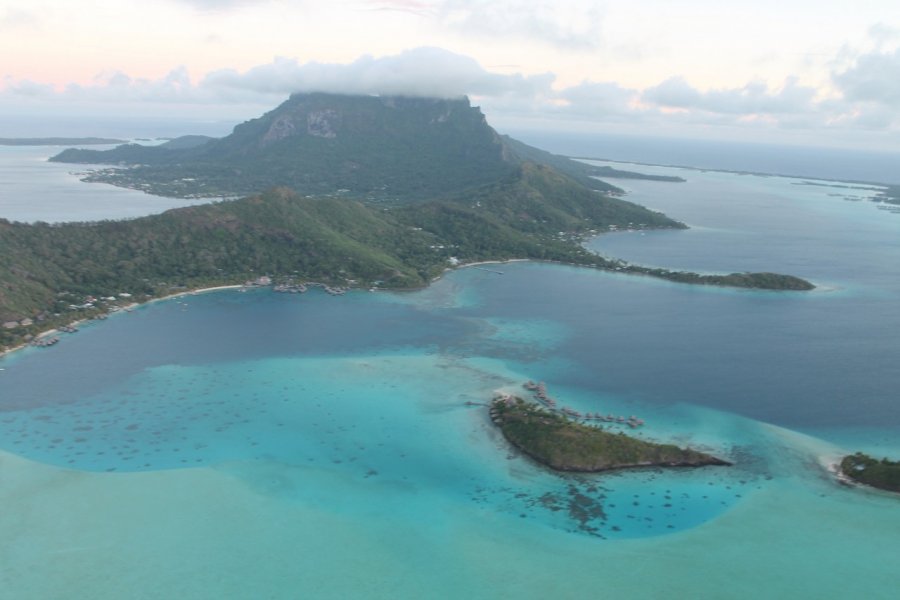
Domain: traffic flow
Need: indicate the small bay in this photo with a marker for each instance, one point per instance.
(32, 189)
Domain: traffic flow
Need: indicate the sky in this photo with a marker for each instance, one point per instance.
(788, 71)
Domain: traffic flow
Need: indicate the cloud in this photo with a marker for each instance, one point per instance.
(27, 89)
(230, 94)
(605, 98)
(575, 24)
(883, 34)
(569, 24)
(416, 7)
(872, 77)
(116, 86)
(220, 5)
(866, 97)
(417, 72)
(14, 18)
(754, 98)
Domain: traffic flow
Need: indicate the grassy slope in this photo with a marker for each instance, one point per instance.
(326, 239)
(280, 232)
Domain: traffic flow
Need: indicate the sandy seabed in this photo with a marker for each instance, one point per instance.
(238, 531)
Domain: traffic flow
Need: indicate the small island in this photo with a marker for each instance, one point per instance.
(563, 444)
(756, 280)
(883, 474)
(891, 195)
(60, 141)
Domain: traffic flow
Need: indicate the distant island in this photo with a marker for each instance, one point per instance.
(564, 444)
(351, 191)
(376, 149)
(60, 141)
(883, 474)
(619, 174)
(891, 195)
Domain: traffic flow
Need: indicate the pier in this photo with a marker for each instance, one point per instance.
(45, 342)
(301, 288)
(539, 391)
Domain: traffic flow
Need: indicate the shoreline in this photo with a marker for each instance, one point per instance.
(215, 288)
(479, 263)
(14, 349)
(854, 182)
(561, 444)
(831, 463)
(476, 264)
(218, 288)
(493, 262)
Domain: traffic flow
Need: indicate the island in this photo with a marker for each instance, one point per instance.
(60, 141)
(562, 443)
(758, 280)
(620, 174)
(883, 474)
(890, 194)
(352, 191)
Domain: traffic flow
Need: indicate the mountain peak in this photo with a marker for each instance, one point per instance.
(394, 149)
(326, 115)
(381, 148)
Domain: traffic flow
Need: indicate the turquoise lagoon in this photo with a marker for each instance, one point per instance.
(282, 446)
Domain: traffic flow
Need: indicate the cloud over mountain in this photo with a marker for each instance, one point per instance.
(417, 72)
(866, 92)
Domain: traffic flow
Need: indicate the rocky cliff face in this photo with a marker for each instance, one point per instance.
(318, 123)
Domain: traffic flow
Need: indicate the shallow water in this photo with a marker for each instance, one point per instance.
(394, 408)
(261, 444)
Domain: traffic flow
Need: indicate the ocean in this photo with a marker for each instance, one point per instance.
(32, 189)
(834, 163)
(274, 445)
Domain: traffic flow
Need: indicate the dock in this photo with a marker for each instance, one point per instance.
(539, 392)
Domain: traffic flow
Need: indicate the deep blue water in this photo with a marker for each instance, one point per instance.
(368, 409)
(807, 361)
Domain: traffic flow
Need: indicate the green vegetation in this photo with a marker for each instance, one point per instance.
(566, 445)
(762, 281)
(612, 173)
(582, 172)
(49, 268)
(323, 144)
(883, 474)
(376, 191)
(365, 147)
